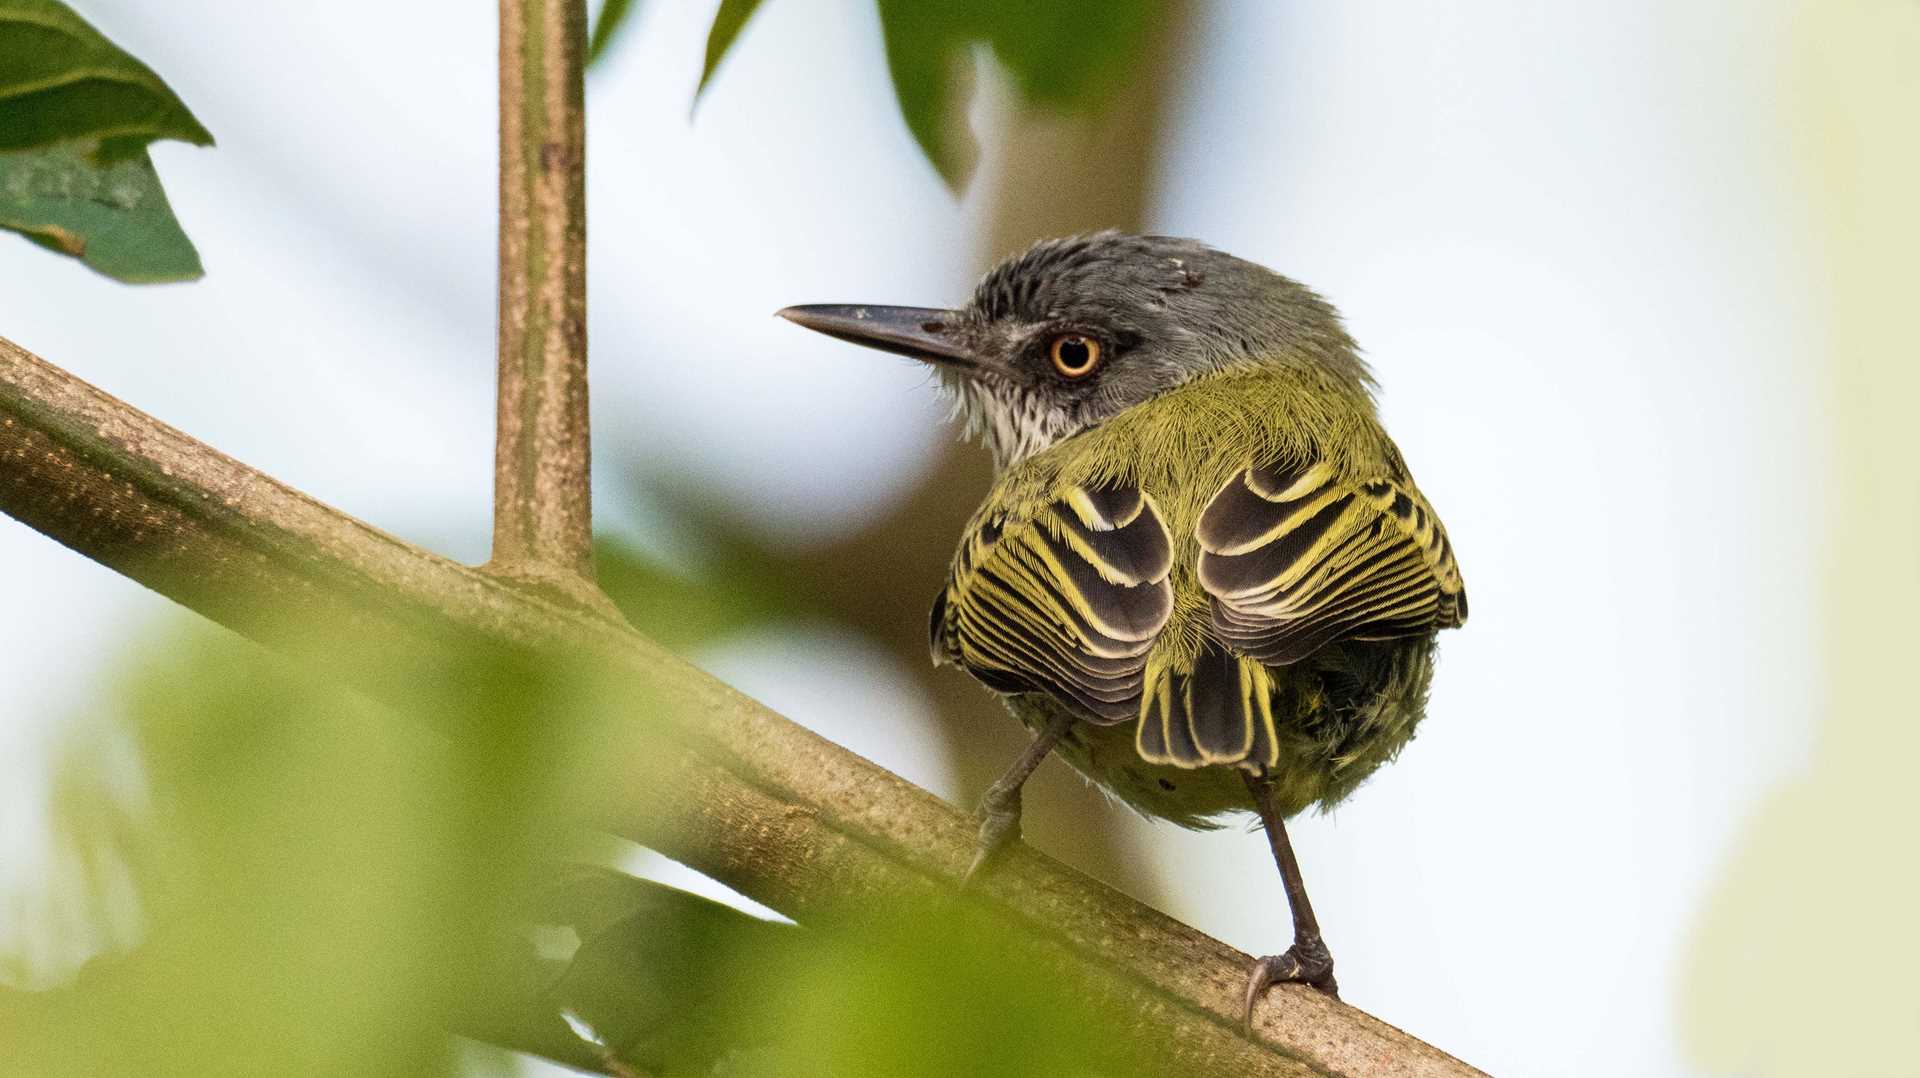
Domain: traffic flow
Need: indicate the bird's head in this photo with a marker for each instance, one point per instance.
(1073, 331)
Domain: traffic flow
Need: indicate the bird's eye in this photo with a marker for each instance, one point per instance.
(1075, 355)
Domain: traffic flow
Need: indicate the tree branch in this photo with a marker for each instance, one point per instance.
(729, 787)
(543, 521)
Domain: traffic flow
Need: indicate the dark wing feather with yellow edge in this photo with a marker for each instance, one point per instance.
(1067, 602)
(1219, 712)
(1296, 558)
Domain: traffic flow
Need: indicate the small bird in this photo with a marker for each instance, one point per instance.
(1203, 575)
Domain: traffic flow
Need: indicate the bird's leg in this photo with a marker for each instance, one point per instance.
(1308, 961)
(999, 810)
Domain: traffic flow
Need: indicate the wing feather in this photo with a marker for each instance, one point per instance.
(1296, 558)
(1068, 601)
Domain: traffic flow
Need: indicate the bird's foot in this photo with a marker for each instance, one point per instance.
(999, 816)
(1307, 962)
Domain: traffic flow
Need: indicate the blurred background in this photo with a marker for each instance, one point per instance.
(1624, 272)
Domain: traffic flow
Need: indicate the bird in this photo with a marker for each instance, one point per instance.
(1203, 575)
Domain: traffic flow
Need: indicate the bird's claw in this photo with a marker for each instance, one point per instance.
(999, 816)
(1307, 962)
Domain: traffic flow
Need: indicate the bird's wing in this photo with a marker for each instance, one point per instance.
(1296, 557)
(1066, 602)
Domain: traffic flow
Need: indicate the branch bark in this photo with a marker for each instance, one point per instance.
(728, 787)
(543, 521)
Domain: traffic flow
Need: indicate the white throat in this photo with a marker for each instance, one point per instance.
(1013, 425)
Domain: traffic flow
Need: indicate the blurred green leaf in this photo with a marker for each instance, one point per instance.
(930, 987)
(733, 591)
(114, 217)
(679, 985)
(76, 116)
(61, 80)
(661, 978)
(1065, 55)
(319, 875)
(325, 884)
(613, 18)
(602, 965)
(727, 23)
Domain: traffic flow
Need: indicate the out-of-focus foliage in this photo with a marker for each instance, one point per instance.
(732, 591)
(661, 979)
(607, 26)
(678, 985)
(727, 24)
(316, 874)
(1803, 955)
(324, 883)
(927, 987)
(1066, 55)
(76, 116)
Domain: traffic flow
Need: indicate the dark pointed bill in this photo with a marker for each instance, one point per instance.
(925, 333)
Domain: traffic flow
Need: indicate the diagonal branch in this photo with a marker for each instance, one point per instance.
(734, 790)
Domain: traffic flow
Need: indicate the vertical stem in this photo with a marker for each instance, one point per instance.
(543, 521)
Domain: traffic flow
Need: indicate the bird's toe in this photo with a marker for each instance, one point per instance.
(1307, 962)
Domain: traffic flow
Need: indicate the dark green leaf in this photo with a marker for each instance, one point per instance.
(1071, 55)
(60, 80)
(932, 69)
(114, 217)
(727, 23)
(661, 977)
(1065, 55)
(898, 985)
(76, 116)
(614, 15)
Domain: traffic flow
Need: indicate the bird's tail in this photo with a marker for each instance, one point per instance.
(1219, 711)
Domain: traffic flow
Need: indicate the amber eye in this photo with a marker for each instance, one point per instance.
(1075, 355)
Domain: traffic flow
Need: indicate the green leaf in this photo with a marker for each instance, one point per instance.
(76, 116)
(613, 18)
(113, 217)
(1071, 55)
(1065, 54)
(727, 24)
(61, 80)
(929, 58)
(1068, 55)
